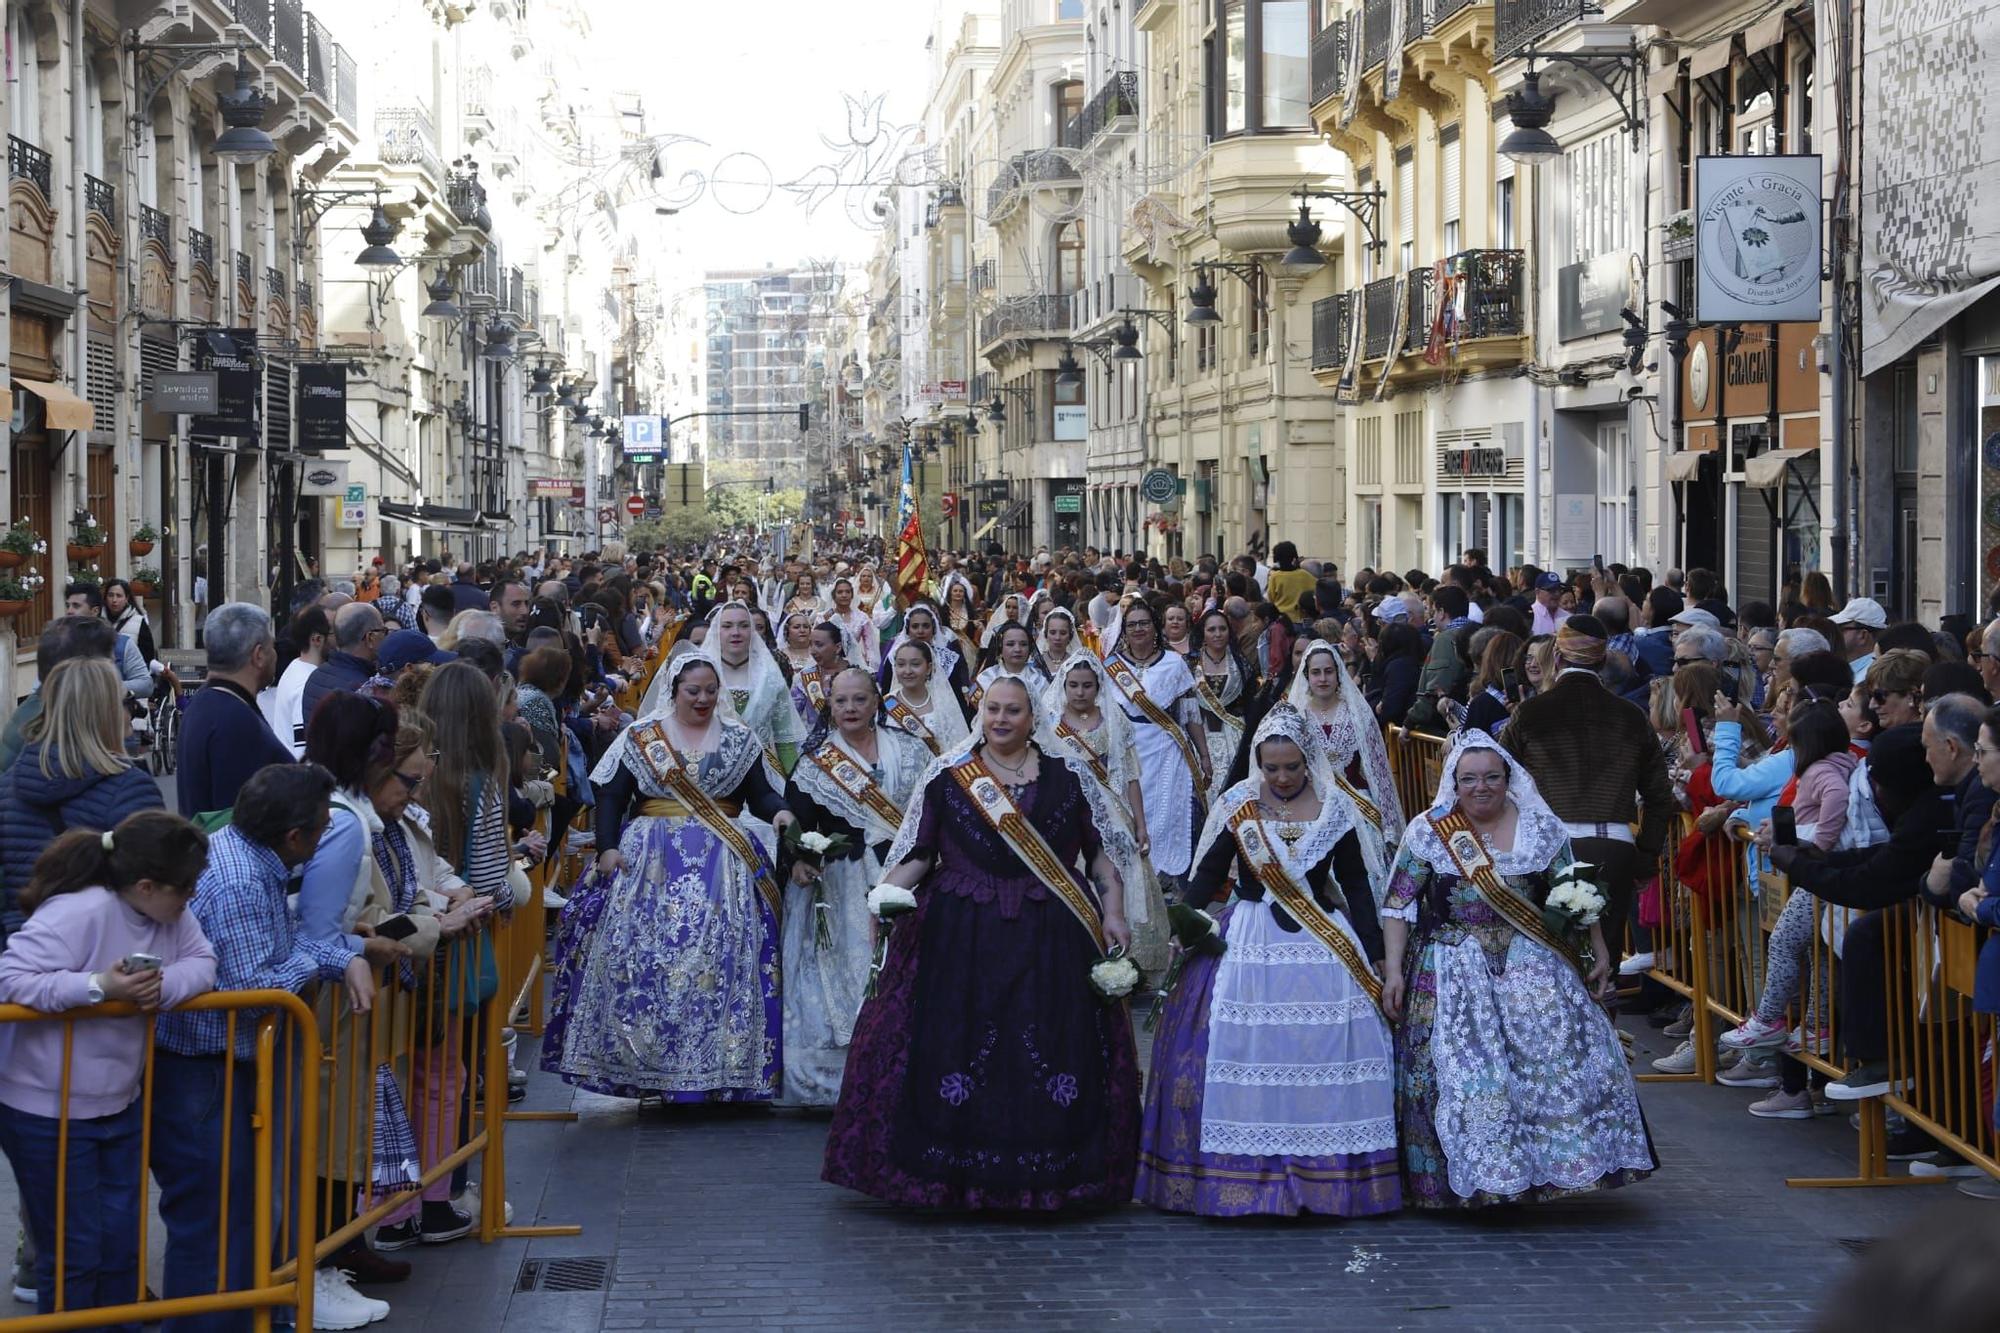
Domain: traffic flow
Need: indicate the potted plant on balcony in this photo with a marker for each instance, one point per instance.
(19, 544)
(86, 539)
(143, 540)
(1678, 233)
(17, 593)
(144, 580)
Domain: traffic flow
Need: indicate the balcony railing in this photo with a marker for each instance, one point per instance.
(242, 269)
(467, 197)
(405, 134)
(1518, 23)
(157, 226)
(1041, 166)
(101, 198)
(981, 277)
(201, 249)
(1117, 99)
(1419, 300)
(1026, 316)
(275, 285)
(303, 295)
(1333, 325)
(288, 34)
(254, 15)
(1487, 301)
(1444, 9)
(25, 162)
(1328, 61)
(1377, 18)
(319, 57)
(346, 85)
(1378, 300)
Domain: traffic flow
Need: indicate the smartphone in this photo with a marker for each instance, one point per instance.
(141, 962)
(1729, 689)
(1784, 826)
(397, 927)
(1597, 562)
(1691, 724)
(1510, 684)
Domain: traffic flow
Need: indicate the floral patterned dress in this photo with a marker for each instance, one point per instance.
(1511, 1084)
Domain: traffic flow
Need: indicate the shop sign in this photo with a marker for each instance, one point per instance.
(1590, 295)
(353, 507)
(325, 477)
(232, 355)
(1482, 461)
(322, 409)
(1757, 239)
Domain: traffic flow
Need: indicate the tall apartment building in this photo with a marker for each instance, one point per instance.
(760, 325)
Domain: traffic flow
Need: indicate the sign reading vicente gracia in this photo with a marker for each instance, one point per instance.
(1757, 239)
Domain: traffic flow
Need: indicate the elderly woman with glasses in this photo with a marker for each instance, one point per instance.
(1511, 1084)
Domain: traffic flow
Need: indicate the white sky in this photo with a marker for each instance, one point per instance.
(767, 78)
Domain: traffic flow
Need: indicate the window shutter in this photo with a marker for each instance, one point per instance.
(1454, 174)
(1406, 197)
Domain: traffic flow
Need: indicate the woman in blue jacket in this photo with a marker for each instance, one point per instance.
(73, 772)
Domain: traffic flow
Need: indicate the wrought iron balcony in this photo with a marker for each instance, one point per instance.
(242, 269)
(1378, 301)
(256, 16)
(1333, 326)
(201, 249)
(467, 197)
(1118, 99)
(101, 198)
(1041, 166)
(346, 85)
(405, 134)
(157, 226)
(1444, 9)
(275, 285)
(1328, 61)
(1519, 23)
(303, 294)
(25, 162)
(1044, 315)
(288, 34)
(1487, 301)
(319, 58)
(1378, 16)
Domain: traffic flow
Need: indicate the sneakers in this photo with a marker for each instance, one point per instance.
(1749, 1072)
(1782, 1105)
(1640, 963)
(1984, 1187)
(26, 1290)
(442, 1223)
(1754, 1034)
(399, 1237)
(1682, 1026)
(552, 900)
(1819, 1041)
(1955, 1170)
(337, 1305)
(1910, 1145)
(468, 1202)
(1870, 1080)
(1680, 1062)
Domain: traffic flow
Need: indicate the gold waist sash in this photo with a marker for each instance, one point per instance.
(668, 807)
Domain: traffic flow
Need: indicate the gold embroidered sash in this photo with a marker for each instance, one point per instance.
(815, 687)
(1081, 744)
(1369, 810)
(1212, 702)
(910, 720)
(1128, 681)
(1468, 853)
(1255, 845)
(1026, 841)
(651, 745)
(857, 782)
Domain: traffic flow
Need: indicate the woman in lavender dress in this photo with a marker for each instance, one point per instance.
(666, 976)
(986, 1073)
(1273, 1088)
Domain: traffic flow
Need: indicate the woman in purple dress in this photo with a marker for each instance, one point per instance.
(987, 1072)
(1273, 1088)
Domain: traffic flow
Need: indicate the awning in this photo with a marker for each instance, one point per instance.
(1662, 81)
(1684, 465)
(1713, 58)
(1766, 32)
(434, 518)
(1767, 469)
(65, 411)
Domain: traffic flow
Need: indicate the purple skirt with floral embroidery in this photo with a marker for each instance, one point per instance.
(986, 1073)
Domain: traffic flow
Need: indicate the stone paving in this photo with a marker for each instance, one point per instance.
(719, 1220)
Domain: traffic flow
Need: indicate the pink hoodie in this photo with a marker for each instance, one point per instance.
(1821, 800)
(47, 966)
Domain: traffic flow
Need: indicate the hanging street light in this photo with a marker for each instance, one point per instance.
(243, 108)
(378, 231)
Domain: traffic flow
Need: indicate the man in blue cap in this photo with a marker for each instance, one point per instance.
(1548, 612)
(407, 648)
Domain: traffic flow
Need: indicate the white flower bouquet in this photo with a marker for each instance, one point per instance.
(1114, 976)
(812, 849)
(886, 903)
(1575, 899)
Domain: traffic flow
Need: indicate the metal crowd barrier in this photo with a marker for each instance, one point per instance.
(1941, 1053)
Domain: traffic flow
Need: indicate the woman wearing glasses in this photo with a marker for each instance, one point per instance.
(1511, 1084)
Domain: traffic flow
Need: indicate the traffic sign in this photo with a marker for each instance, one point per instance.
(605, 513)
(635, 505)
(1157, 486)
(1069, 504)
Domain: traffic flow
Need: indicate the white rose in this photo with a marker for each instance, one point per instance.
(815, 842)
(887, 900)
(1114, 978)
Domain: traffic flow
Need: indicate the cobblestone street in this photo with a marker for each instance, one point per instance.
(719, 1220)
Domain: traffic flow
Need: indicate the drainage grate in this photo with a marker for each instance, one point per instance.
(563, 1275)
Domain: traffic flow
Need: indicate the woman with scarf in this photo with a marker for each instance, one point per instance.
(1223, 685)
(795, 640)
(1511, 1083)
(920, 700)
(830, 652)
(1056, 638)
(857, 622)
(924, 625)
(1340, 717)
(1273, 1089)
(961, 612)
(753, 686)
(987, 1072)
(1156, 692)
(854, 780)
(1010, 652)
(1096, 742)
(666, 979)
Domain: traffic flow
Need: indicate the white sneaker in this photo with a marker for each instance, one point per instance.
(554, 901)
(337, 1305)
(1680, 1062)
(1640, 963)
(1755, 1032)
(1748, 1073)
(1948, 1170)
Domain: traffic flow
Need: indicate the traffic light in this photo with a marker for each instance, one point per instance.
(805, 417)
(771, 483)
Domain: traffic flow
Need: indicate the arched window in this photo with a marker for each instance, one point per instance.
(1069, 258)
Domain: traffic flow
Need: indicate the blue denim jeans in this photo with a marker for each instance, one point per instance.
(190, 1114)
(101, 1217)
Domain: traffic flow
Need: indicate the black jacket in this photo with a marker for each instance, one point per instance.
(1349, 872)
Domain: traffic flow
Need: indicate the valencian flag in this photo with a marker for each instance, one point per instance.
(913, 567)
